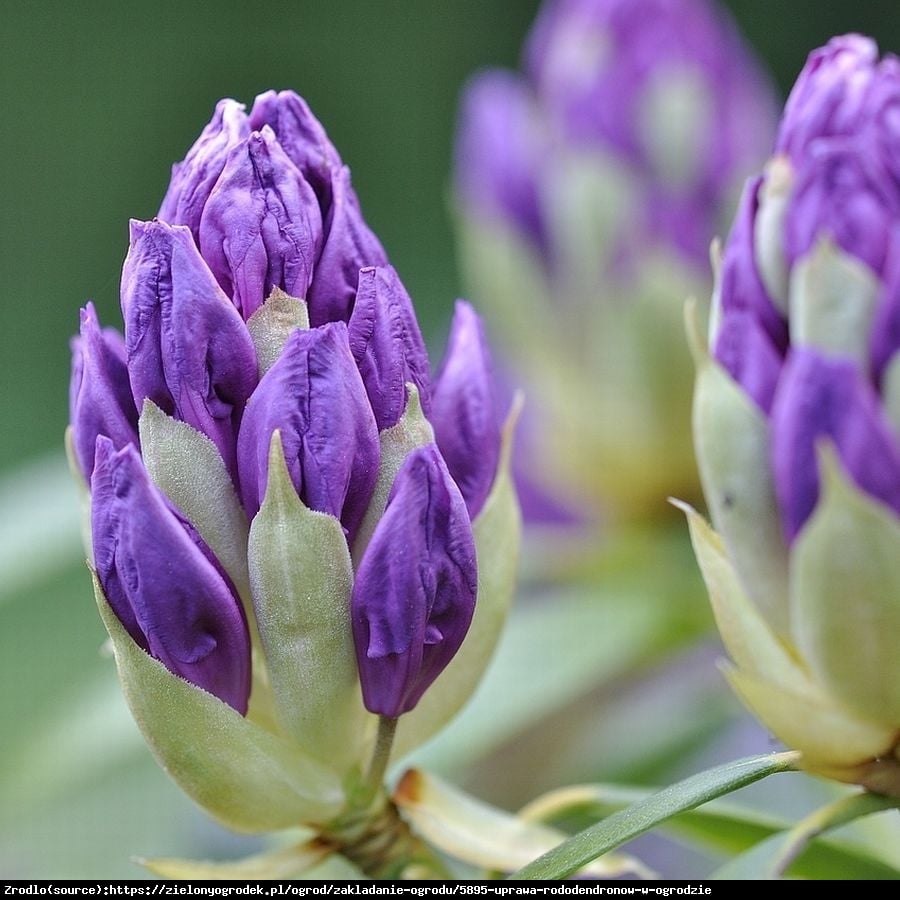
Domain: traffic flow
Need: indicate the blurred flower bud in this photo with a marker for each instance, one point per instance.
(589, 189)
(796, 427)
(280, 548)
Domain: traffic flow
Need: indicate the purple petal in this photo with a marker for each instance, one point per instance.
(500, 149)
(885, 340)
(262, 227)
(315, 397)
(100, 400)
(161, 584)
(414, 593)
(843, 192)
(829, 95)
(821, 397)
(746, 352)
(301, 136)
(349, 246)
(194, 178)
(463, 410)
(742, 289)
(387, 345)
(188, 349)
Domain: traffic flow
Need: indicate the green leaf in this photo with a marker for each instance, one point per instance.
(719, 826)
(246, 777)
(497, 534)
(412, 431)
(845, 597)
(628, 823)
(482, 835)
(832, 302)
(747, 636)
(271, 325)
(775, 857)
(187, 467)
(731, 437)
(301, 580)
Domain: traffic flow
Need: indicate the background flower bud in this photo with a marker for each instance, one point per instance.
(590, 187)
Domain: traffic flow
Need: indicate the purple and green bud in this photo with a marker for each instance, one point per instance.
(797, 425)
(272, 520)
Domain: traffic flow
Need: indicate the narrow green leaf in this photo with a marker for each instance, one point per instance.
(719, 826)
(628, 823)
(301, 580)
(249, 779)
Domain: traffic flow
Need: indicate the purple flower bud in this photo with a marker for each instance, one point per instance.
(464, 414)
(163, 582)
(500, 148)
(315, 397)
(414, 594)
(301, 136)
(261, 226)
(100, 400)
(188, 349)
(349, 246)
(269, 202)
(818, 397)
(348, 243)
(387, 345)
(193, 178)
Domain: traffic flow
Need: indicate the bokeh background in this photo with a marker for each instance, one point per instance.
(99, 99)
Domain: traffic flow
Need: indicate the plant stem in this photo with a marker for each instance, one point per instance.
(381, 755)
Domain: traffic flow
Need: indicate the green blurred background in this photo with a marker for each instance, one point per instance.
(99, 98)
